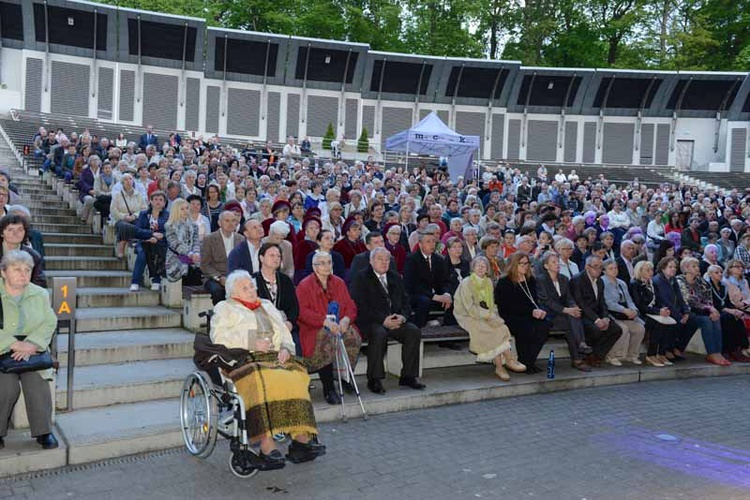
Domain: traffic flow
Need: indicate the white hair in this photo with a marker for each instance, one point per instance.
(235, 277)
(279, 227)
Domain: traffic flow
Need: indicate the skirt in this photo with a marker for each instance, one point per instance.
(276, 396)
(325, 349)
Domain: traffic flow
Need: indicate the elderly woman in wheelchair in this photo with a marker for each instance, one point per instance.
(251, 389)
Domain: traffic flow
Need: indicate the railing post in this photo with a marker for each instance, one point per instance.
(64, 304)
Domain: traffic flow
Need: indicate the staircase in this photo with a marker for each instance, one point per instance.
(131, 354)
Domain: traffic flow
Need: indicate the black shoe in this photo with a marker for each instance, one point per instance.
(411, 382)
(332, 397)
(375, 386)
(304, 452)
(450, 345)
(348, 387)
(273, 461)
(2, 443)
(47, 441)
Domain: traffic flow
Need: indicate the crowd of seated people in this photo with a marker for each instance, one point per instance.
(607, 265)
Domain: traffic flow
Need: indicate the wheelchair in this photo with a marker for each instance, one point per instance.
(210, 406)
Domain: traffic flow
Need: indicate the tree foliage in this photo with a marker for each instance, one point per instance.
(658, 34)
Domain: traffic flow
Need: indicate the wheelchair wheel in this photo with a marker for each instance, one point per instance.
(240, 465)
(198, 415)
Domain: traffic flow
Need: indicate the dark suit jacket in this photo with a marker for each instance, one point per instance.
(373, 304)
(549, 299)
(622, 270)
(144, 141)
(239, 258)
(418, 278)
(465, 253)
(583, 293)
(361, 261)
(286, 299)
(213, 255)
(668, 294)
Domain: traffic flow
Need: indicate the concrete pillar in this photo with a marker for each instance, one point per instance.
(171, 293)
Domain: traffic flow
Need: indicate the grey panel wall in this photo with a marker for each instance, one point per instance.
(589, 142)
(127, 95)
(514, 139)
(541, 140)
(498, 133)
(368, 119)
(395, 120)
(442, 114)
(213, 98)
(292, 114)
(33, 94)
(274, 109)
(105, 93)
(160, 94)
(350, 129)
(70, 88)
(243, 117)
(661, 156)
(471, 124)
(738, 150)
(192, 104)
(618, 143)
(321, 111)
(647, 144)
(570, 144)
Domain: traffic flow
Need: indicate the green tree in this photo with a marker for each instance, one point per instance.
(328, 137)
(363, 143)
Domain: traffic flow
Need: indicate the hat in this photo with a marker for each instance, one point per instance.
(233, 206)
(313, 212)
(348, 223)
(280, 205)
(388, 226)
(308, 220)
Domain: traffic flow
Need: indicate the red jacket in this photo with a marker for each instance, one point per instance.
(313, 307)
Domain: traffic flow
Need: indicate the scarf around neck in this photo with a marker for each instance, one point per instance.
(481, 289)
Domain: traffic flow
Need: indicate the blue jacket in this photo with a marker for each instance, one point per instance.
(144, 228)
(668, 295)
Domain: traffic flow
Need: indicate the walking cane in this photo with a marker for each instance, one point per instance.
(342, 363)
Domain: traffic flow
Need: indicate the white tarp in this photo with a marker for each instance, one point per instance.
(432, 137)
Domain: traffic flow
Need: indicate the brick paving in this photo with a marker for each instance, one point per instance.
(685, 439)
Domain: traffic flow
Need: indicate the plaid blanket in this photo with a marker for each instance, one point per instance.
(276, 396)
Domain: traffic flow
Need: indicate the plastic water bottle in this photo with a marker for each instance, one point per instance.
(551, 365)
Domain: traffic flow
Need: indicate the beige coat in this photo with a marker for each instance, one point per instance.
(234, 325)
(488, 335)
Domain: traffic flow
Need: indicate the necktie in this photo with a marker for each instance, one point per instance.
(385, 287)
(429, 263)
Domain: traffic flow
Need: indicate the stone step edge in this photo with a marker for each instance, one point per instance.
(406, 401)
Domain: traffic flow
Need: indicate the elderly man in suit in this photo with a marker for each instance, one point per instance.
(148, 139)
(246, 256)
(215, 251)
(588, 292)
(426, 277)
(625, 263)
(383, 312)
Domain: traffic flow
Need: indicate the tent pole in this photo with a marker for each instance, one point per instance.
(406, 169)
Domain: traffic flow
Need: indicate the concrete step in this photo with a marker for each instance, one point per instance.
(58, 206)
(79, 228)
(127, 346)
(116, 297)
(106, 319)
(72, 238)
(87, 279)
(47, 196)
(439, 357)
(53, 217)
(22, 454)
(126, 429)
(84, 262)
(120, 430)
(77, 250)
(103, 385)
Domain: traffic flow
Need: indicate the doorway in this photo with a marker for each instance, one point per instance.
(684, 156)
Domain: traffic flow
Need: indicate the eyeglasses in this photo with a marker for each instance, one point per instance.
(524, 263)
(323, 263)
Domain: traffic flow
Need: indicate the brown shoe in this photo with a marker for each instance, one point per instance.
(594, 361)
(581, 365)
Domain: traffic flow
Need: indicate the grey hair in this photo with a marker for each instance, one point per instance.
(684, 263)
(19, 208)
(476, 260)
(236, 276)
(378, 250)
(426, 233)
(626, 243)
(94, 159)
(457, 219)
(710, 245)
(127, 176)
(190, 173)
(564, 243)
(469, 229)
(319, 255)
(279, 227)
(15, 257)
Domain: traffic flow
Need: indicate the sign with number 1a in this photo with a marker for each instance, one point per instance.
(64, 297)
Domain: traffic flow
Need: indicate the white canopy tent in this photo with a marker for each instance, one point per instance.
(433, 137)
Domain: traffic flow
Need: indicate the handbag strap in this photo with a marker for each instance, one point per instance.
(130, 212)
(2, 320)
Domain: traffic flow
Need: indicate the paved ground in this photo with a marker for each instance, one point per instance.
(685, 439)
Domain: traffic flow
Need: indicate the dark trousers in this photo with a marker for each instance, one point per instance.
(37, 396)
(733, 334)
(377, 342)
(421, 306)
(574, 334)
(216, 289)
(601, 341)
(661, 338)
(530, 334)
(326, 378)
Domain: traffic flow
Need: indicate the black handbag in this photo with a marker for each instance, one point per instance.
(36, 362)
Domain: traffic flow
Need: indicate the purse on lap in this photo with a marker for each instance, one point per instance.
(35, 362)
